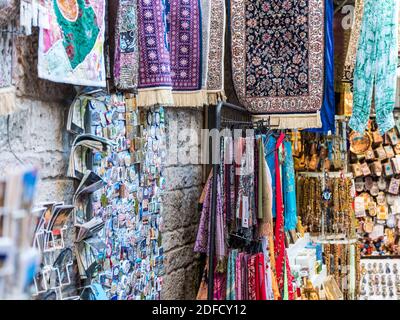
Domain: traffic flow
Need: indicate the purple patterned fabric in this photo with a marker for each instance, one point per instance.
(170, 44)
(185, 40)
(154, 62)
(203, 235)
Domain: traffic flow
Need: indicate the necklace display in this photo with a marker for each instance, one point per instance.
(325, 206)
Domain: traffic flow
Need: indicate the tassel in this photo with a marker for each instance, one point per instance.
(190, 99)
(293, 121)
(148, 98)
(216, 97)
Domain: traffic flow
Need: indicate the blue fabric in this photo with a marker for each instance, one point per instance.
(328, 106)
(269, 149)
(289, 188)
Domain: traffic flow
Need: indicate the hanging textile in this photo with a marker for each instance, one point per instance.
(205, 7)
(215, 70)
(8, 11)
(270, 74)
(350, 61)
(328, 106)
(155, 83)
(376, 66)
(282, 268)
(126, 57)
(231, 276)
(289, 185)
(170, 53)
(355, 35)
(270, 152)
(71, 49)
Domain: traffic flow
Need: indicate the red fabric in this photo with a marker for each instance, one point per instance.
(260, 277)
(279, 242)
(280, 251)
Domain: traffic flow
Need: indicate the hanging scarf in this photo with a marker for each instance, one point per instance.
(289, 189)
(215, 70)
(280, 251)
(219, 286)
(328, 105)
(126, 57)
(270, 153)
(170, 53)
(203, 235)
(201, 244)
(231, 276)
(238, 279)
(260, 277)
(252, 284)
(352, 48)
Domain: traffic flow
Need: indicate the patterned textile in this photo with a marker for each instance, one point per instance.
(154, 66)
(352, 48)
(278, 68)
(202, 240)
(201, 244)
(170, 53)
(328, 106)
(219, 286)
(251, 278)
(205, 6)
(289, 185)
(215, 70)
(126, 58)
(239, 279)
(71, 49)
(261, 292)
(376, 65)
(231, 276)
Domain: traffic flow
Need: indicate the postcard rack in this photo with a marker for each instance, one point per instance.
(50, 277)
(17, 254)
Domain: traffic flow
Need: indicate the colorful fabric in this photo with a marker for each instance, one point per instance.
(126, 57)
(238, 279)
(71, 49)
(251, 278)
(170, 53)
(261, 292)
(219, 286)
(270, 152)
(278, 68)
(289, 186)
(231, 276)
(205, 7)
(355, 35)
(201, 244)
(216, 43)
(328, 106)
(279, 244)
(376, 64)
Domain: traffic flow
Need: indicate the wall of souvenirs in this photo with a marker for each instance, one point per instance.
(300, 209)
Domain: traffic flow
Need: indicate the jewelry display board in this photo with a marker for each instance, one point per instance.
(380, 279)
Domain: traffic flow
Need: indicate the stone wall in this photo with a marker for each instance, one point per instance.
(181, 216)
(36, 136)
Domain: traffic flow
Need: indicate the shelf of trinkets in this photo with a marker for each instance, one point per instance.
(375, 162)
(380, 279)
